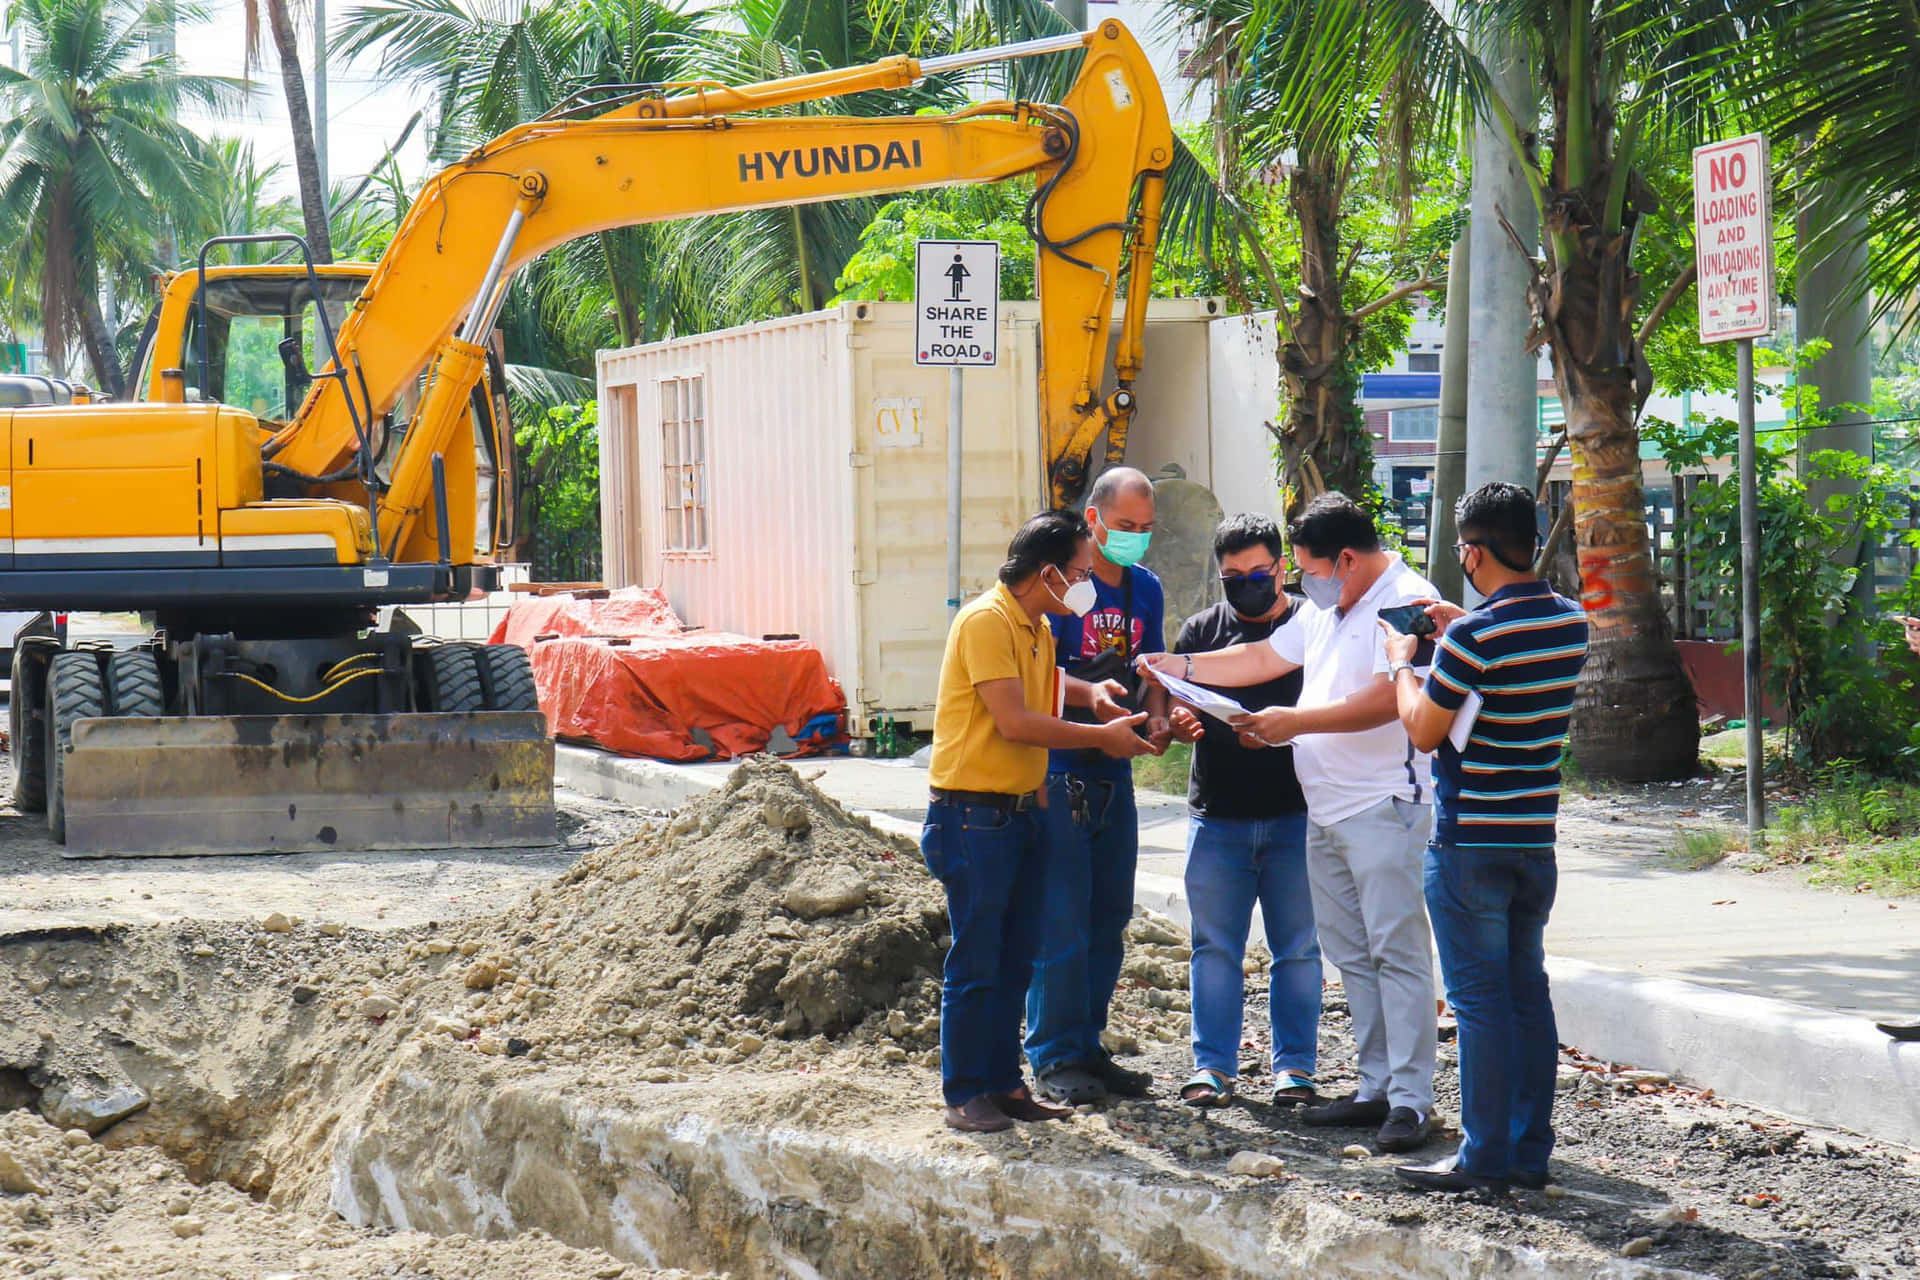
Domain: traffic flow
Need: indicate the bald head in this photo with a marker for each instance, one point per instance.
(1117, 483)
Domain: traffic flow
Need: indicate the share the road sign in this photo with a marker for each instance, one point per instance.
(956, 302)
(1733, 238)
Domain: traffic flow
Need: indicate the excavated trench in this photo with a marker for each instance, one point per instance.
(713, 1048)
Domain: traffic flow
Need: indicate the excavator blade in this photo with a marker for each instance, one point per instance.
(176, 785)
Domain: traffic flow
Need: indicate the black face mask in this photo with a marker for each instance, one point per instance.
(1251, 596)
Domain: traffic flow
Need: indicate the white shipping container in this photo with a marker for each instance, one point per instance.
(790, 477)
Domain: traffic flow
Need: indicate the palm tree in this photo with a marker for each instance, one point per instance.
(90, 146)
(1297, 104)
(281, 18)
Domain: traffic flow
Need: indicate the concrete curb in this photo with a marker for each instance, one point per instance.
(1801, 1061)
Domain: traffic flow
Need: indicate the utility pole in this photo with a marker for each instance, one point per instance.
(1832, 261)
(320, 97)
(1450, 448)
(1503, 396)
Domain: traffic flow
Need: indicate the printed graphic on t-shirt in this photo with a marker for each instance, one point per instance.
(1105, 629)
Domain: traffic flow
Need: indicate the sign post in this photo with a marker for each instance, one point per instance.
(1733, 255)
(956, 323)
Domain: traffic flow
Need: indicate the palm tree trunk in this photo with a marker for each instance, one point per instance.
(306, 160)
(1323, 442)
(100, 349)
(1634, 714)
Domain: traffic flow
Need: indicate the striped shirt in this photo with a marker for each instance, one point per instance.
(1521, 651)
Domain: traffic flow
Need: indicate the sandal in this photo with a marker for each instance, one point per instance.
(1207, 1089)
(1292, 1088)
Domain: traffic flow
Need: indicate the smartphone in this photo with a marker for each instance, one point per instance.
(1408, 619)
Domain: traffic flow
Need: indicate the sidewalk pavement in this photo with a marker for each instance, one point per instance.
(1755, 984)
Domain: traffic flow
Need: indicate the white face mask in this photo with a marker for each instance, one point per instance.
(1080, 597)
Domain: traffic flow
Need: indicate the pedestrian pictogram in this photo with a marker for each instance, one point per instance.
(956, 302)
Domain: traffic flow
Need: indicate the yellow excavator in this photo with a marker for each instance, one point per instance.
(308, 444)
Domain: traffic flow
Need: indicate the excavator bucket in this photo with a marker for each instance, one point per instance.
(173, 785)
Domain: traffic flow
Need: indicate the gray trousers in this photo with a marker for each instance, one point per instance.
(1369, 902)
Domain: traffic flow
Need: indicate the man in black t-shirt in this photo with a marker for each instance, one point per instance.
(1247, 840)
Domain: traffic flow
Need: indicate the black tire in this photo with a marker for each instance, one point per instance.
(28, 743)
(133, 684)
(508, 673)
(453, 679)
(75, 691)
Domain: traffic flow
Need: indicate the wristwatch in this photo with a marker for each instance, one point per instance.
(1395, 668)
(1189, 675)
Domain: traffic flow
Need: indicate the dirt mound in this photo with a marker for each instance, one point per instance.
(762, 913)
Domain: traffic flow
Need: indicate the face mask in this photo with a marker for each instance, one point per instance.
(1080, 597)
(1251, 596)
(1324, 592)
(1125, 549)
(1468, 574)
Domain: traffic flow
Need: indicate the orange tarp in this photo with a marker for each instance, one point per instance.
(648, 695)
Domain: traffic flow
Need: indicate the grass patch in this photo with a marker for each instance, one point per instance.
(1853, 831)
(1166, 773)
(1729, 747)
(1697, 847)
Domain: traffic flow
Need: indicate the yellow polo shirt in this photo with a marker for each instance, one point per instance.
(991, 639)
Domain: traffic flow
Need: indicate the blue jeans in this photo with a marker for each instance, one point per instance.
(991, 862)
(1489, 910)
(1087, 902)
(1232, 863)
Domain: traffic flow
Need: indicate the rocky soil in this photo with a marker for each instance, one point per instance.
(762, 958)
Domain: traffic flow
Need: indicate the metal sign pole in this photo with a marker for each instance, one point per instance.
(953, 490)
(1750, 604)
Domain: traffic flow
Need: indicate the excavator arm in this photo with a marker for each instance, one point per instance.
(1098, 158)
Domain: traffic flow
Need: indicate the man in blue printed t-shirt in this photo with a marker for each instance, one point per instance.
(1092, 833)
(1490, 873)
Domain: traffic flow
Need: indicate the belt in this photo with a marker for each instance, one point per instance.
(987, 799)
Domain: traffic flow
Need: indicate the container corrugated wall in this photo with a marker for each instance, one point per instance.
(827, 489)
(775, 493)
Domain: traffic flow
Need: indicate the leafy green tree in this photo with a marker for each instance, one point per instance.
(882, 268)
(90, 145)
(560, 452)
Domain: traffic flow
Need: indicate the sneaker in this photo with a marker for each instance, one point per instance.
(1531, 1179)
(1404, 1130)
(1023, 1106)
(1350, 1110)
(1070, 1083)
(1120, 1081)
(978, 1115)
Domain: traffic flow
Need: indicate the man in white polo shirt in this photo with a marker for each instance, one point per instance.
(1369, 800)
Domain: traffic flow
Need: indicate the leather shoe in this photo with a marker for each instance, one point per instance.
(1349, 1110)
(978, 1115)
(1446, 1175)
(1405, 1130)
(1022, 1105)
(1531, 1179)
(1120, 1081)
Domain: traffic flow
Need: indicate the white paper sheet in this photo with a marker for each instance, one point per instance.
(1463, 720)
(1217, 705)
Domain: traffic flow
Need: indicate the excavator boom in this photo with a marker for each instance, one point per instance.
(314, 442)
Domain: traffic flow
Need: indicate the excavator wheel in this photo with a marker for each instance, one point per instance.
(452, 674)
(28, 741)
(133, 684)
(75, 691)
(508, 673)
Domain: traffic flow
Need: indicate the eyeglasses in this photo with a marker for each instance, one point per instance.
(1073, 575)
(1458, 547)
(1258, 575)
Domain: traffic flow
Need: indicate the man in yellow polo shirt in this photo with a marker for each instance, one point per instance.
(996, 716)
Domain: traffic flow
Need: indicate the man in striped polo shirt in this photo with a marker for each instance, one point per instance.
(1490, 871)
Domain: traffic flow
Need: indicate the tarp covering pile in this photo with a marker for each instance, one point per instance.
(623, 673)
